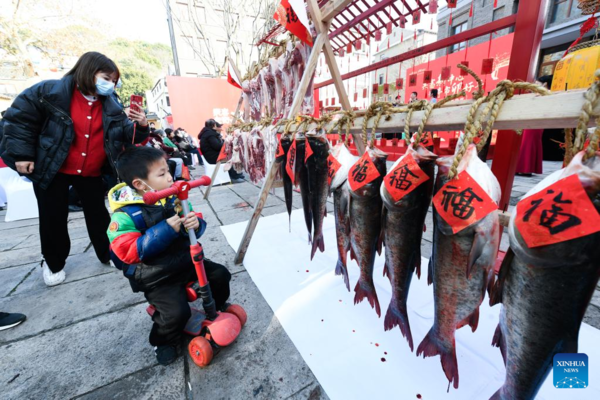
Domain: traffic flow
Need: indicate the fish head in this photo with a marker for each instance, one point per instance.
(573, 252)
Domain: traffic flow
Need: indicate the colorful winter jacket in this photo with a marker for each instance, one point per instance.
(147, 248)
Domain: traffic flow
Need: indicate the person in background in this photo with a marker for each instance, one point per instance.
(211, 142)
(10, 320)
(413, 97)
(175, 164)
(434, 95)
(62, 133)
(152, 127)
(531, 151)
(185, 140)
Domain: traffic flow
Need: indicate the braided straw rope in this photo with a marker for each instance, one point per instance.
(373, 110)
(479, 93)
(593, 146)
(384, 109)
(428, 110)
(417, 105)
(568, 145)
(591, 99)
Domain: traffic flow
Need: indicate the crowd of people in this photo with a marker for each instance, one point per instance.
(76, 142)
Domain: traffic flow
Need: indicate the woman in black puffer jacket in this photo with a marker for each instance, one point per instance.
(62, 133)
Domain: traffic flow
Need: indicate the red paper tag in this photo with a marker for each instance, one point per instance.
(452, 3)
(286, 16)
(368, 39)
(416, 17)
(446, 73)
(355, 96)
(433, 6)
(427, 77)
(308, 152)
(333, 166)
(562, 211)
(426, 140)
(362, 172)
(378, 35)
(364, 93)
(320, 103)
(405, 178)
(290, 166)
(388, 28)
(375, 88)
(332, 100)
(349, 48)
(462, 202)
(326, 102)
(341, 52)
(222, 153)
(487, 66)
(399, 83)
(280, 152)
(462, 71)
(357, 44)
(402, 21)
(386, 88)
(412, 80)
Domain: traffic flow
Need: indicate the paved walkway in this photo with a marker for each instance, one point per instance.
(87, 338)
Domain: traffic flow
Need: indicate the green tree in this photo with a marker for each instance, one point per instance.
(135, 81)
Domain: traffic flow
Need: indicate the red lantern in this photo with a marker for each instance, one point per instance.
(427, 77)
(375, 88)
(357, 44)
(399, 83)
(487, 66)
(412, 80)
(462, 71)
(446, 73)
(402, 21)
(378, 35)
(452, 3)
(388, 28)
(433, 6)
(416, 17)
(364, 93)
(349, 48)
(386, 88)
(341, 52)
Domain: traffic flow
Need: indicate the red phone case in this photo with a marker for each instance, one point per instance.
(136, 103)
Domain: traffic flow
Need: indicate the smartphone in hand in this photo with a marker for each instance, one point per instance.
(136, 103)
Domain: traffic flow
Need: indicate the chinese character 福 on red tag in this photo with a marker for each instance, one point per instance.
(386, 88)
(487, 66)
(362, 172)
(280, 152)
(402, 21)
(375, 88)
(562, 211)
(286, 16)
(405, 178)
(462, 202)
(412, 80)
(446, 73)
(416, 17)
(452, 3)
(333, 166)
(399, 83)
(290, 166)
(427, 77)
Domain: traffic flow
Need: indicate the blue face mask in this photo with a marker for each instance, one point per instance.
(104, 88)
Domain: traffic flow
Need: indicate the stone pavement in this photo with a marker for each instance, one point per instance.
(87, 338)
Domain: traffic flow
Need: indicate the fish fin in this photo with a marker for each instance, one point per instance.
(385, 270)
(318, 242)
(417, 261)
(477, 249)
(430, 272)
(484, 249)
(341, 269)
(498, 341)
(366, 289)
(430, 346)
(396, 315)
(352, 255)
(472, 320)
(496, 289)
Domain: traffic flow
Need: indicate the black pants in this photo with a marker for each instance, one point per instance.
(235, 175)
(53, 206)
(172, 308)
(197, 153)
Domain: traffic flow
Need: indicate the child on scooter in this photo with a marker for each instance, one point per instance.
(150, 245)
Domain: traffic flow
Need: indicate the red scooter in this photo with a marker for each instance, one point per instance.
(211, 328)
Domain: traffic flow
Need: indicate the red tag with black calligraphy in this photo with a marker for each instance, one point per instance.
(462, 71)
(362, 172)
(446, 72)
(487, 66)
(562, 211)
(399, 83)
(404, 178)
(386, 88)
(280, 152)
(222, 153)
(333, 165)
(307, 152)
(416, 17)
(452, 3)
(402, 21)
(427, 76)
(290, 165)
(462, 202)
(375, 88)
(412, 80)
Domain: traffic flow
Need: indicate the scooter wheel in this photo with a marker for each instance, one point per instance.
(239, 312)
(201, 351)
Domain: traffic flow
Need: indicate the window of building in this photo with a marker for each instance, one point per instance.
(561, 9)
(199, 11)
(168, 102)
(498, 13)
(381, 79)
(182, 11)
(455, 30)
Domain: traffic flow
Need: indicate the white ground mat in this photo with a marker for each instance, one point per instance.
(345, 344)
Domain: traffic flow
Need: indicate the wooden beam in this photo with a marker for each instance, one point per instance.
(333, 8)
(308, 72)
(212, 179)
(528, 111)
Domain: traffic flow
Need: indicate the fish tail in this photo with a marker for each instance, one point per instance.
(498, 341)
(430, 271)
(396, 315)
(341, 269)
(366, 289)
(431, 346)
(319, 243)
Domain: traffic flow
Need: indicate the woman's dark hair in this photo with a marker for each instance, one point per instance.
(434, 93)
(168, 131)
(135, 162)
(547, 79)
(87, 67)
(211, 123)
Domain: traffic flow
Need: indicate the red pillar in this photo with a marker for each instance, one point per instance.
(523, 57)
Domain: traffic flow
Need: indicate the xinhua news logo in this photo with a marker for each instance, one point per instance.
(571, 371)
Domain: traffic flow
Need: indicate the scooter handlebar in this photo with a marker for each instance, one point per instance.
(152, 197)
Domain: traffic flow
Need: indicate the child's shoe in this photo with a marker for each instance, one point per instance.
(166, 354)
(51, 278)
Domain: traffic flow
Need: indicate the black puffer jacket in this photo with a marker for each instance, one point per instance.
(210, 144)
(38, 127)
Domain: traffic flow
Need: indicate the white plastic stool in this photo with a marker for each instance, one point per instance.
(20, 197)
(222, 176)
